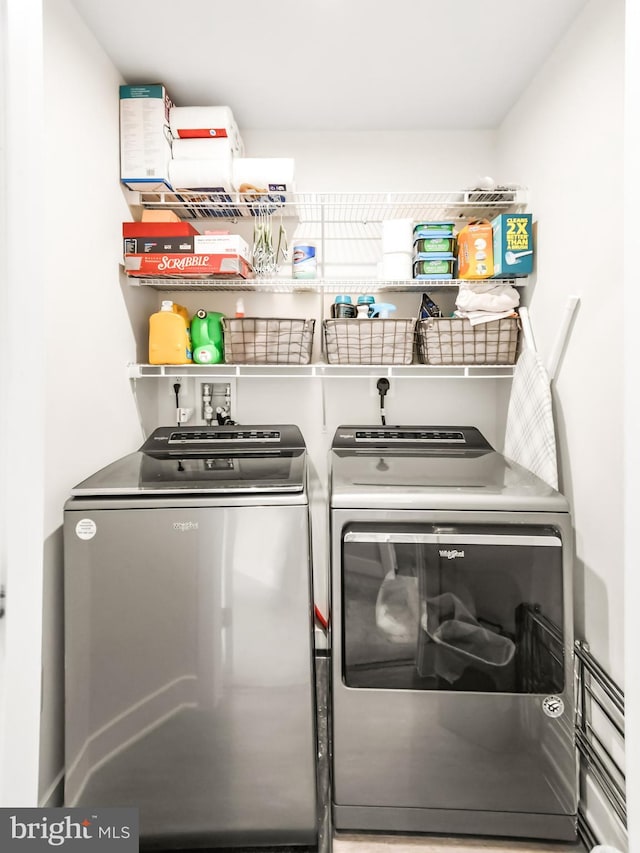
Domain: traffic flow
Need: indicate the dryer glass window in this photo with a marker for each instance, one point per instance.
(434, 607)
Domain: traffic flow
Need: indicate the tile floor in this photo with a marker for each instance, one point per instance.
(343, 843)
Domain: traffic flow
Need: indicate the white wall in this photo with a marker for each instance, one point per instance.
(379, 161)
(90, 412)
(90, 338)
(632, 420)
(564, 139)
(21, 412)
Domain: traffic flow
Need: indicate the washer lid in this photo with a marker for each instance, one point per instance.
(216, 460)
(388, 478)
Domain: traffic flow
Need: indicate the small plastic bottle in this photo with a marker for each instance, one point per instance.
(343, 307)
(239, 308)
(382, 310)
(364, 306)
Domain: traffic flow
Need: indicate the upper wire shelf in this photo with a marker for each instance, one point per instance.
(327, 286)
(457, 206)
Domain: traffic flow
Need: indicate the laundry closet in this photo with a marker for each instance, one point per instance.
(75, 326)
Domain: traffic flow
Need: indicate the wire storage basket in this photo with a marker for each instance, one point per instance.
(453, 340)
(369, 341)
(267, 340)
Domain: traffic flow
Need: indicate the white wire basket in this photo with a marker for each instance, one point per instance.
(365, 341)
(453, 340)
(267, 340)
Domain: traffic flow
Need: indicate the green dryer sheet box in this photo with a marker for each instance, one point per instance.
(512, 245)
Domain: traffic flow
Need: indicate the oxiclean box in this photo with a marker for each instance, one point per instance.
(512, 245)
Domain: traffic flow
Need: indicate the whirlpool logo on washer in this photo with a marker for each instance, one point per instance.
(185, 526)
(451, 554)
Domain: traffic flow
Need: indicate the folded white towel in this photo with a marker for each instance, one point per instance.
(476, 317)
(481, 296)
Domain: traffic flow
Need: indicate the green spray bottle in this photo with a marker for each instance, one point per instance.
(206, 337)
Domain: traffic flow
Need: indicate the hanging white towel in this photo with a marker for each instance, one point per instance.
(530, 436)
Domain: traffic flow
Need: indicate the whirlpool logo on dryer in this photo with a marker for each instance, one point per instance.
(185, 526)
(451, 554)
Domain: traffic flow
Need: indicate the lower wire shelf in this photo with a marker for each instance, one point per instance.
(321, 370)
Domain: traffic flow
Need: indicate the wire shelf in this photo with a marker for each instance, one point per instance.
(344, 206)
(319, 370)
(318, 285)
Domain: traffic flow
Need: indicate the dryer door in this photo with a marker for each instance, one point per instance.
(463, 608)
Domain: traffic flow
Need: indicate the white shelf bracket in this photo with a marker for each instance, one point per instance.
(527, 330)
(562, 337)
(134, 390)
(323, 401)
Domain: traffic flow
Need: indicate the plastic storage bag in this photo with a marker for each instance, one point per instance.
(462, 641)
(397, 608)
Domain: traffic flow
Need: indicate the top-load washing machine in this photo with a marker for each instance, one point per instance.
(452, 642)
(189, 660)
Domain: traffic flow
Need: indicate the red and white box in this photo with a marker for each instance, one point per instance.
(186, 266)
(209, 122)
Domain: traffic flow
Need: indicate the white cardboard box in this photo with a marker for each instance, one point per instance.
(222, 244)
(145, 138)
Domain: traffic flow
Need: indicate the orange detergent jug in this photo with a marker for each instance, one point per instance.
(169, 337)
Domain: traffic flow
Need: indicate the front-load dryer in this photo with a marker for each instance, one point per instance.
(189, 661)
(452, 639)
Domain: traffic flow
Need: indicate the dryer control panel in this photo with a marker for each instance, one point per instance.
(410, 437)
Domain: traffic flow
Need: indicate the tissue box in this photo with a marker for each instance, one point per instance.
(222, 244)
(512, 245)
(145, 149)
